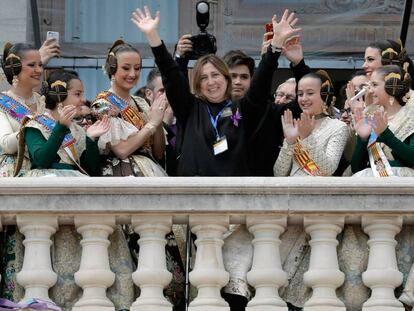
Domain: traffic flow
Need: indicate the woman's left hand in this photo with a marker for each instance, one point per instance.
(284, 29)
(379, 122)
(293, 50)
(144, 20)
(99, 128)
(306, 124)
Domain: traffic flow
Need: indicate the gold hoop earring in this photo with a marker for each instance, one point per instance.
(15, 81)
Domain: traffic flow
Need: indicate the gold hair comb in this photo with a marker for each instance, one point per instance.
(392, 75)
(389, 50)
(12, 55)
(57, 83)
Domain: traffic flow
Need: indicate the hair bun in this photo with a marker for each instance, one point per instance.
(395, 85)
(58, 91)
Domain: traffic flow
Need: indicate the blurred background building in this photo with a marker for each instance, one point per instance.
(335, 32)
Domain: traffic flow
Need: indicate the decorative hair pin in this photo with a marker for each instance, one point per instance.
(58, 83)
(12, 55)
(392, 75)
(390, 51)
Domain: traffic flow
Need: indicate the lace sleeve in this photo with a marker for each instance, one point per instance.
(328, 155)
(283, 164)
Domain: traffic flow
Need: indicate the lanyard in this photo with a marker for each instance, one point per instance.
(214, 121)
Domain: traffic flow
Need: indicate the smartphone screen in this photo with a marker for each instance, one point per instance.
(52, 35)
(269, 28)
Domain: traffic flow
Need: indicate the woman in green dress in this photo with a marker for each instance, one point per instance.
(57, 146)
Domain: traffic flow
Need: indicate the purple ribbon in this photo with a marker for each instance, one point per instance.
(36, 304)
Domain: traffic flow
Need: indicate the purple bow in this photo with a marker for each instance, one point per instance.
(37, 304)
(236, 117)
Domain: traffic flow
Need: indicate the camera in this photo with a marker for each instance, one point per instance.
(203, 43)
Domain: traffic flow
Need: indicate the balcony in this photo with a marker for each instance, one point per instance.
(267, 206)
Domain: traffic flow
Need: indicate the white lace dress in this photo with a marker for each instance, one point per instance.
(325, 146)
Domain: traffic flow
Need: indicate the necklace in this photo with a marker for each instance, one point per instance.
(128, 101)
(29, 102)
(320, 116)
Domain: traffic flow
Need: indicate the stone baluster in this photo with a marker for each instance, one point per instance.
(1, 229)
(266, 275)
(382, 274)
(37, 275)
(152, 275)
(94, 275)
(209, 275)
(324, 275)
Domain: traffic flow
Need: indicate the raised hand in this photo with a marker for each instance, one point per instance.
(49, 49)
(147, 24)
(306, 124)
(284, 29)
(290, 129)
(184, 45)
(293, 50)
(379, 122)
(67, 114)
(99, 128)
(361, 125)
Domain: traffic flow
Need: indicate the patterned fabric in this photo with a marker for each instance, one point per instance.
(7, 164)
(325, 146)
(137, 165)
(77, 132)
(8, 136)
(402, 126)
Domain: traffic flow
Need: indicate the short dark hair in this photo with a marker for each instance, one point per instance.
(153, 74)
(237, 57)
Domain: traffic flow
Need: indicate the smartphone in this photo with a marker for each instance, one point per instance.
(269, 28)
(52, 35)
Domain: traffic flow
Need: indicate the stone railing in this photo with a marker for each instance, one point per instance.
(266, 205)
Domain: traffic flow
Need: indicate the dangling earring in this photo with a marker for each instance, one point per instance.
(112, 79)
(15, 81)
(391, 101)
(59, 108)
(325, 108)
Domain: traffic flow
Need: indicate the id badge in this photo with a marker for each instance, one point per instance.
(220, 145)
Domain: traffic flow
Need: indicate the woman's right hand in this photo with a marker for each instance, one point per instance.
(361, 124)
(157, 109)
(184, 45)
(290, 127)
(66, 115)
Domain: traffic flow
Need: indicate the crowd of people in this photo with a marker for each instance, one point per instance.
(225, 121)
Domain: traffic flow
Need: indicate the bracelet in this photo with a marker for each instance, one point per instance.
(150, 127)
(275, 48)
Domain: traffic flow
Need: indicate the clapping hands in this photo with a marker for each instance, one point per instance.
(297, 128)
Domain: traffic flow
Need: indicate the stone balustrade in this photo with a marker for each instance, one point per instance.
(267, 206)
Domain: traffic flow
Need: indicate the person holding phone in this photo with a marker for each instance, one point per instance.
(50, 47)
